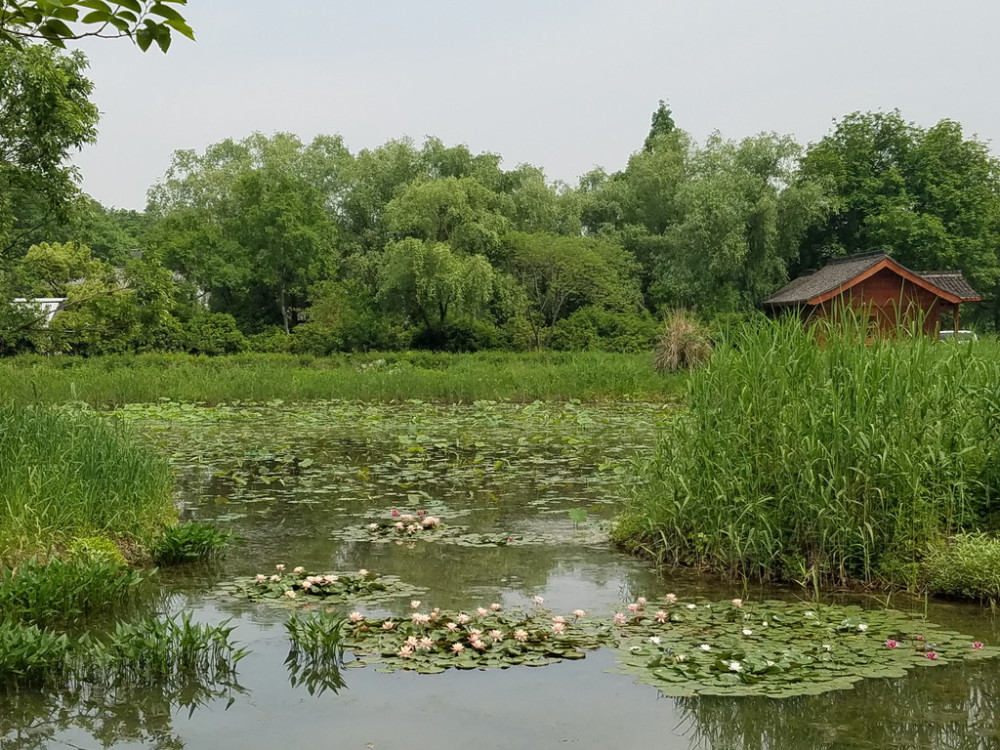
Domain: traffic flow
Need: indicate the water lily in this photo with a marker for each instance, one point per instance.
(891, 643)
(862, 627)
(399, 526)
(578, 613)
(420, 619)
(415, 604)
(306, 585)
(737, 602)
(932, 655)
(680, 657)
(395, 513)
(332, 579)
(671, 598)
(705, 647)
(275, 578)
(641, 601)
(363, 573)
(747, 631)
(977, 645)
(260, 578)
(406, 517)
(451, 627)
(496, 635)
(538, 600)
(662, 616)
(280, 568)
(559, 618)
(692, 606)
(521, 635)
(373, 527)
(475, 632)
(426, 644)
(411, 529)
(809, 613)
(633, 608)
(495, 606)
(482, 611)
(463, 619)
(735, 666)
(620, 618)
(388, 625)
(654, 639)
(405, 652)
(290, 594)
(355, 617)
(457, 648)
(558, 627)
(299, 570)
(477, 644)
(412, 641)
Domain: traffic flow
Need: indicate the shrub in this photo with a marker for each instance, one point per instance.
(968, 565)
(684, 344)
(315, 339)
(596, 329)
(214, 333)
(838, 462)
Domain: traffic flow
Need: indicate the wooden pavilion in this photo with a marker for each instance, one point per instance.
(876, 286)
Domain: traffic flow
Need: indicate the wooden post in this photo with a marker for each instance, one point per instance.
(956, 322)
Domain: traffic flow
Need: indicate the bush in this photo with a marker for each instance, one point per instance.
(838, 462)
(684, 344)
(189, 542)
(214, 333)
(969, 566)
(597, 329)
(315, 339)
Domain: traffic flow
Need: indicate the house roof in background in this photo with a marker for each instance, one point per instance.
(838, 275)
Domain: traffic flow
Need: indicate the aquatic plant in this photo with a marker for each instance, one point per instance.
(189, 542)
(315, 655)
(406, 525)
(821, 457)
(66, 474)
(488, 637)
(62, 591)
(300, 587)
(778, 649)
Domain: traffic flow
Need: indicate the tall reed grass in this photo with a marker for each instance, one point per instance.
(820, 456)
(114, 381)
(65, 475)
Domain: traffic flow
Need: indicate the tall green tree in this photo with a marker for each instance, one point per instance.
(928, 196)
(45, 115)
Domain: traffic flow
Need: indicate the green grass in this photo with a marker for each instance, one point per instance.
(839, 462)
(113, 381)
(967, 566)
(66, 475)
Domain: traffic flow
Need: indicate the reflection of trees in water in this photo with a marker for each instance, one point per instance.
(944, 708)
(110, 715)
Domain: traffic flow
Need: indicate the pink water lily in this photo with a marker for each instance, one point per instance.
(521, 635)
(290, 594)
(395, 513)
(388, 625)
(737, 602)
(426, 644)
(620, 618)
(363, 573)
(451, 627)
(891, 643)
(641, 601)
(355, 617)
(477, 644)
(406, 517)
(279, 567)
(559, 619)
(307, 585)
(671, 598)
(412, 641)
(299, 570)
(415, 604)
(977, 645)
(457, 648)
(373, 527)
(496, 635)
(578, 613)
(558, 627)
(495, 606)
(662, 616)
(275, 578)
(463, 619)
(420, 619)
(260, 578)
(405, 652)
(633, 608)
(932, 655)
(538, 600)
(482, 611)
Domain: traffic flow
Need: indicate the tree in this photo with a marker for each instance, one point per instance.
(431, 281)
(929, 197)
(57, 21)
(661, 123)
(562, 274)
(45, 113)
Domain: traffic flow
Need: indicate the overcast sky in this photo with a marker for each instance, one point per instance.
(562, 84)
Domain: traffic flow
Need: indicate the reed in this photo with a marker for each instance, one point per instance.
(65, 475)
(822, 456)
(114, 381)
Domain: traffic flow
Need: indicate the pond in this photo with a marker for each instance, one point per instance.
(525, 495)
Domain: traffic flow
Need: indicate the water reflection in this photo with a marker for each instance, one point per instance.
(110, 715)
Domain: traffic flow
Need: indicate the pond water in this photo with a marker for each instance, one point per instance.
(300, 485)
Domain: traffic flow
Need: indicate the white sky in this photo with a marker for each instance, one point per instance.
(562, 84)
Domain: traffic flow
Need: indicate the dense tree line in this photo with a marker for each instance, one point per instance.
(276, 244)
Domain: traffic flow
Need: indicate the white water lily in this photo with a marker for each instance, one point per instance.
(747, 631)
(680, 657)
(705, 647)
(655, 639)
(692, 606)
(810, 613)
(769, 663)
(735, 666)
(827, 647)
(862, 627)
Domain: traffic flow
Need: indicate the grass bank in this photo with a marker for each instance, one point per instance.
(114, 381)
(842, 462)
(67, 476)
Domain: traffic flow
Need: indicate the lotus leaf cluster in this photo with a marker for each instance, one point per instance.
(486, 638)
(300, 587)
(778, 649)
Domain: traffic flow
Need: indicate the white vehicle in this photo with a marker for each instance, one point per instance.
(960, 336)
